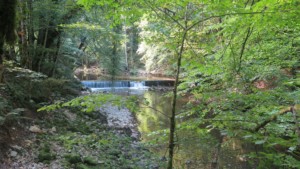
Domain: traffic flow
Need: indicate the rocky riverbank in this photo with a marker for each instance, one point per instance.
(121, 119)
(69, 138)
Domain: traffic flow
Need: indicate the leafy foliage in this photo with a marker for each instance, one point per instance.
(90, 103)
(240, 65)
(240, 62)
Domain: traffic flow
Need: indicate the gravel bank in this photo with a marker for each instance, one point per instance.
(120, 118)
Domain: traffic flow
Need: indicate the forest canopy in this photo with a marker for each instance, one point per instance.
(238, 61)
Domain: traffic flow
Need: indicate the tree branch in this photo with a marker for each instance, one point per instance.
(229, 14)
(273, 118)
(166, 13)
(249, 31)
(296, 120)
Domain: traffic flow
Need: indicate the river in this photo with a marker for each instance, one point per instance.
(197, 149)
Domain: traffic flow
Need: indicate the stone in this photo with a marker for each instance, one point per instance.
(28, 143)
(53, 129)
(16, 147)
(13, 153)
(35, 129)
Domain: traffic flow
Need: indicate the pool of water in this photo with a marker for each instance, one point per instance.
(196, 149)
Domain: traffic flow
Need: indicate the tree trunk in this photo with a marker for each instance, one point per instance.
(42, 56)
(1, 59)
(125, 49)
(173, 115)
(55, 57)
(7, 27)
(22, 32)
(30, 37)
(216, 151)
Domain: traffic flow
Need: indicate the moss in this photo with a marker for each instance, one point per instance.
(79, 126)
(45, 157)
(115, 152)
(90, 161)
(84, 166)
(86, 163)
(73, 158)
(45, 154)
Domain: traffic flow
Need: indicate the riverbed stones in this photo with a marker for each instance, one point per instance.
(121, 118)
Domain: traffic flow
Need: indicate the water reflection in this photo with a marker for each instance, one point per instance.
(196, 148)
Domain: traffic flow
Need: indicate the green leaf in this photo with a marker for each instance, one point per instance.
(260, 142)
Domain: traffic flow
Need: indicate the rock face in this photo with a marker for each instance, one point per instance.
(121, 119)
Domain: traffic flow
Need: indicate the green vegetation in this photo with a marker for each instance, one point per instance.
(238, 61)
(45, 155)
(92, 144)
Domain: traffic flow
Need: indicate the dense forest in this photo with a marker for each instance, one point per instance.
(235, 62)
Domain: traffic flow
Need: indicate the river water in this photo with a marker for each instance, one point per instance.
(196, 149)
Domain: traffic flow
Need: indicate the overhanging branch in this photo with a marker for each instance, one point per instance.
(273, 118)
(230, 14)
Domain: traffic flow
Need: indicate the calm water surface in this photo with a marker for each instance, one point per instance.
(196, 149)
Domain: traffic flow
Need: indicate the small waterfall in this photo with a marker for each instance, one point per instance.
(125, 84)
(137, 84)
(115, 84)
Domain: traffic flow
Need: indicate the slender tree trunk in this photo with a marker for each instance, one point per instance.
(125, 48)
(115, 60)
(22, 33)
(12, 53)
(173, 115)
(131, 61)
(55, 57)
(216, 152)
(31, 37)
(1, 58)
(249, 31)
(44, 48)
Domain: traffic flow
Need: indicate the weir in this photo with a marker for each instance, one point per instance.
(127, 84)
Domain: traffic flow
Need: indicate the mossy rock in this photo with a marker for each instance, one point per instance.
(115, 152)
(73, 158)
(90, 161)
(45, 154)
(46, 157)
(85, 166)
